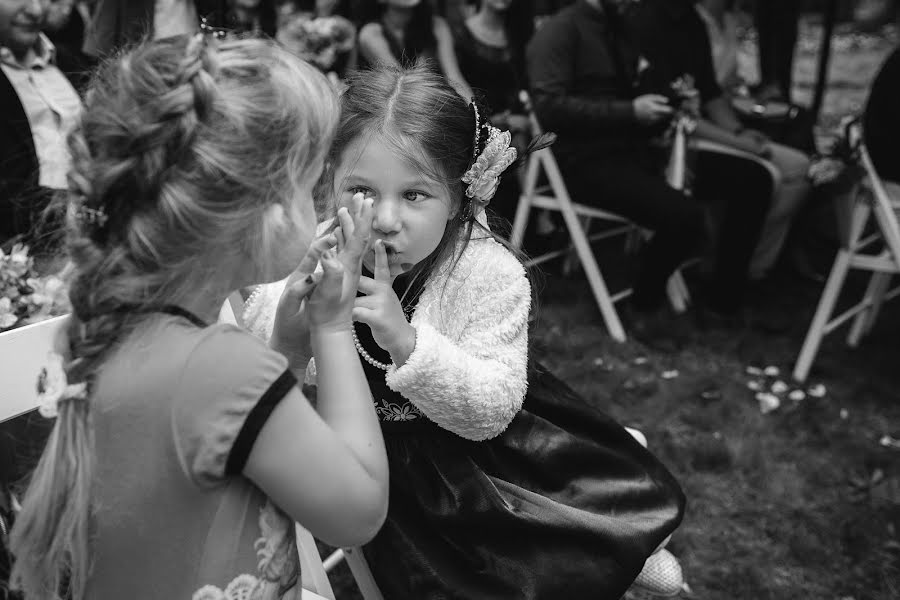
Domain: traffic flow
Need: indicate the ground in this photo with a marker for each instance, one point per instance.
(799, 503)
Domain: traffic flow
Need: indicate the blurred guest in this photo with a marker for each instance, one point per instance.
(881, 121)
(490, 47)
(407, 30)
(584, 72)
(38, 107)
(118, 23)
(321, 32)
(673, 37)
(776, 26)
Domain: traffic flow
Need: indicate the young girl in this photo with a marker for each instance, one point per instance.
(183, 452)
(504, 483)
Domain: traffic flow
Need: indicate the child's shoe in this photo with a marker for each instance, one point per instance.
(661, 575)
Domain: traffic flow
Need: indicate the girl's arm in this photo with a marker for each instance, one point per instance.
(329, 472)
(475, 384)
(446, 55)
(373, 47)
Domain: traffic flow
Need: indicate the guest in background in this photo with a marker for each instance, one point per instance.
(776, 25)
(881, 122)
(490, 47)
(672, 36)
(584, 71)
(38, 107)
(321, 32)
(407, 30)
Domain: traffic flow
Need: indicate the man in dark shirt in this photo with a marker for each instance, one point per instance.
(591, 87)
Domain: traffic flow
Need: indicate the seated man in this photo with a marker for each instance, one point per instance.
(584, 77)
(38, 107)
(673, 37)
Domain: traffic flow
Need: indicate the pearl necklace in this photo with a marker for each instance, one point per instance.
(365, 355)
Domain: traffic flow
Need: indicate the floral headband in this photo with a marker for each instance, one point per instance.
(483, 177)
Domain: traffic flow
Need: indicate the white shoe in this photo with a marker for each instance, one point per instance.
(661, 575)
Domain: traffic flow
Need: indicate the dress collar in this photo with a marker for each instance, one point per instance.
(39, 57)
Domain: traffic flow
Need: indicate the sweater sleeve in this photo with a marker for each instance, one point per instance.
(474, 385)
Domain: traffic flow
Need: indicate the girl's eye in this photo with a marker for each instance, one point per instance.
(414, 196)
(361, 189)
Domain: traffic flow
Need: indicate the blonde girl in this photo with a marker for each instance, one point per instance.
(183, 451)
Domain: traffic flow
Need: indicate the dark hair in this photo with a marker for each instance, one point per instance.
(416, 111)
(418, 36)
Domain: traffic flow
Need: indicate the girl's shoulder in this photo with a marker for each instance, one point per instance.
(485, 258)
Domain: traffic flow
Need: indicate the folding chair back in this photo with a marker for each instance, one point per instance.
(858, 251)
(555, 197)
(23, 355)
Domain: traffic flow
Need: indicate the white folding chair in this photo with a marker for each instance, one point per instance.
(23, 354)
(877, 253)
(555, 197)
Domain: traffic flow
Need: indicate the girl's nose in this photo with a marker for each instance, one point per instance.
(387, 216)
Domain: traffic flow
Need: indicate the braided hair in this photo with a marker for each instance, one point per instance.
(184, 146)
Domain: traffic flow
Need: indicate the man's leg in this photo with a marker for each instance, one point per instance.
(644, 197)
(741, 189)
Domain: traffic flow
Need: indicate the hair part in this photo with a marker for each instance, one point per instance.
(184, 144)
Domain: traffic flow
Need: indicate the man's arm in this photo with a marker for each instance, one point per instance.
(551, 60)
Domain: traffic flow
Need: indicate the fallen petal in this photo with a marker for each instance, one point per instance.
(779, 387)
(670, 374)
(754, 385)
(797, 395)
(844, 413)
(889, 442)
(751, 370)
(771, 371)
(767, 402)
(816, 391)
(640, 360)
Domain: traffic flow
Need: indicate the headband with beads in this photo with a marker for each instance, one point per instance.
(483, 176)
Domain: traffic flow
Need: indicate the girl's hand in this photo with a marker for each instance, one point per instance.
(328, 306)
(291, 331)
(381, 310)
(353, 235)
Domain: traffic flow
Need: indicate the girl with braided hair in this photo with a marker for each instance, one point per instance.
(504, 483)
(183, 452)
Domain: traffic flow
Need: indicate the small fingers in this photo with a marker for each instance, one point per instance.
(367, 285)
(382, 269)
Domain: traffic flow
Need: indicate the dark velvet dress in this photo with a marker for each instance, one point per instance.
(563, 505)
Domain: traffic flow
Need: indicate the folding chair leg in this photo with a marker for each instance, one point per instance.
(875, 291)
(598, 285)
(677, 291)
(878, 300)
(823, 313)
(520, 222)
(361, 574)
(312, 573)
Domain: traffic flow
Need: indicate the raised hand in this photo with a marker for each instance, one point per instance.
(291, 331)
(381, 310)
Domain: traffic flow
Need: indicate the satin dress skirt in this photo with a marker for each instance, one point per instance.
(563, 505)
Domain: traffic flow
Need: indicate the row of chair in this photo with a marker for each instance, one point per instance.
(868, 220)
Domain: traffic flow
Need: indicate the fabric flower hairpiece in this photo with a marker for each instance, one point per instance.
(483, 177)
(53, 386)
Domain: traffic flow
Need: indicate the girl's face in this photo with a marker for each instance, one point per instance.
(297, 223)
(411, 209)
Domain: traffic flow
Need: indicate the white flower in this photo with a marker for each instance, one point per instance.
(483, 176)
(7, 316)
(53, 386)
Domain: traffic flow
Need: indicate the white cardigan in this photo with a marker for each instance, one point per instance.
(467, 372)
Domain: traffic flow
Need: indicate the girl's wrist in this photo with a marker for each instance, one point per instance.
(404, 345)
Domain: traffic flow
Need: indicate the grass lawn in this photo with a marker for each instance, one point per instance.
(802, 502)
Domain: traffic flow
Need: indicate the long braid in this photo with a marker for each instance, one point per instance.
(56, 561)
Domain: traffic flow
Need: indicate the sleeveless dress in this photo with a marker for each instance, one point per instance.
(564, 504)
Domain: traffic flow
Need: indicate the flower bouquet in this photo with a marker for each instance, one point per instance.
(26, 297)
(321, 41)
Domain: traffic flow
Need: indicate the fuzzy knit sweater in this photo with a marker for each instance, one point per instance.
(467, 372)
